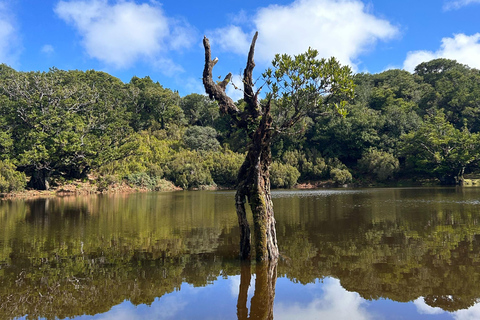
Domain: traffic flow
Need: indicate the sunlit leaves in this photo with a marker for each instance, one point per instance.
(303, 84)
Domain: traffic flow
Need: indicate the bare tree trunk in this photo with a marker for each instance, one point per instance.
(253, 182)
(39, 180)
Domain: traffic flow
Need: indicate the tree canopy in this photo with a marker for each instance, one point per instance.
(61, 125)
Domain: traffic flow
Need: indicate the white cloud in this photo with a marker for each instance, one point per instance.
(337, 303)
(341, 28)
(167, 67)
(235, 88)
(48, 49)
(465, 49)
(120, 34)
(192, 85)
(231, 38)
(9, 40)
(453, 5)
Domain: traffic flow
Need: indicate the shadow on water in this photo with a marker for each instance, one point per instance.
(81, 256)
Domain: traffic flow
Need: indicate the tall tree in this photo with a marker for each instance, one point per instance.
(438, 148)
(298, 86)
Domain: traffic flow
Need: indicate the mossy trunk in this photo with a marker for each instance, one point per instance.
(254, 186)
(253, 182)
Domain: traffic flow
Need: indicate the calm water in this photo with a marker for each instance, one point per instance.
(346, 254)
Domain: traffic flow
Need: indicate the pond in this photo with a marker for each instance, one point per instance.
(400, 253)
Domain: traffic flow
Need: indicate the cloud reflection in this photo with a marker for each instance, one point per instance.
(424, 308)
(235, 285)
(336, 303)
(472, 313)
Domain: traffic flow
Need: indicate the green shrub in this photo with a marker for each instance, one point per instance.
(201, 138)
(141, 180)
(224, 167)
(10, 179)
(311, 167)
(164, 185)
(283, 175)
(105, 182)
(379, 164)
(188, 169)
(340, 176)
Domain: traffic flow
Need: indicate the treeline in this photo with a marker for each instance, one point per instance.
(57, 126)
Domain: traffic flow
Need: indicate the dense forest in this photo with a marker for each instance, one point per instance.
(62, 126)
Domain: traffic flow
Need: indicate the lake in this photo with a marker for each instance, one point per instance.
(399, 253)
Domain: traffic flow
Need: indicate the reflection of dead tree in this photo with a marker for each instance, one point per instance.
(262, 301)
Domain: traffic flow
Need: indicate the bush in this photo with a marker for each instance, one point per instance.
(224, 167)
(10, 179)
(379, 164)
(187, 169)
(340, 176)
(283, 175)
(311, 167)
(141, 180)
(105, 182)
(201, 138)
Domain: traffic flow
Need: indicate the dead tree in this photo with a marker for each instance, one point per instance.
(253, 181)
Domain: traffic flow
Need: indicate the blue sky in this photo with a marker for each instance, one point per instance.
(163, 39)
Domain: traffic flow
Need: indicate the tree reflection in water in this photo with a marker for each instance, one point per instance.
(66, 257)
(261, 306)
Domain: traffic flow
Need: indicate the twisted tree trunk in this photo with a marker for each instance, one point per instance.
(253, 182)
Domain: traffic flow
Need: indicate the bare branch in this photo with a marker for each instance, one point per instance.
(217, 91)
(248, 95)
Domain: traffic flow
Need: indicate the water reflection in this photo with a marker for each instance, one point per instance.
(73, 256)
(334, 303)
(261, 306)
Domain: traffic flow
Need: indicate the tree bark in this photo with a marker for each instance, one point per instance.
(253, 182)
(39, 179)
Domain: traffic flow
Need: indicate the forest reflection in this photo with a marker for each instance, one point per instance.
(72, 256)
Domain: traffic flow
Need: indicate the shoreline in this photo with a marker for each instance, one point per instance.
(86, 188)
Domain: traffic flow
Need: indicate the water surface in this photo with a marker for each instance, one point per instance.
(405, 253)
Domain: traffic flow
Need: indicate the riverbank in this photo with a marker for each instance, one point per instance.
(78, 188)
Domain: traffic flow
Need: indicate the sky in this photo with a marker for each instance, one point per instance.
(163, 39)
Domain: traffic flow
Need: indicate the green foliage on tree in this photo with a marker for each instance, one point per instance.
(10, 179)
(283, 175)
(153, 105)
(340, 176)
(199, 110)
(439, 148)
(224, 166)
(188, 169)
(379, 164)
(61, 122)
(201, 138)
(62, 125)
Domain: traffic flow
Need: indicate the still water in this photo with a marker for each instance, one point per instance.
(409, 253)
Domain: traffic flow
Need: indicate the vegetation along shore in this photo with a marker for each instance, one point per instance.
(80, 132)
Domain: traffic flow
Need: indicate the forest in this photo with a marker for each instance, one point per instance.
(400, 127)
